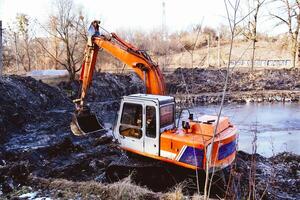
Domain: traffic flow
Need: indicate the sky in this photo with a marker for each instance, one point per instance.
(132, 14)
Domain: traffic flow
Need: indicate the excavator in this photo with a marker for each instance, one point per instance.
(146, 123)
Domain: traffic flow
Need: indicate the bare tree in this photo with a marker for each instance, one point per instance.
(20, 37)
(291, 18)
(68, 28)
(7, 52)
(23, 29)
(251, 30)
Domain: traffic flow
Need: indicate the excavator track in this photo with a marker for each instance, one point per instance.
(143, 171)
(149, 172)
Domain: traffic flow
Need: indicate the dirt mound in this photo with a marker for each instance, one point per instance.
(199, 80)
(265, 178)
(23, 99)
(35, 121)
(106, 87)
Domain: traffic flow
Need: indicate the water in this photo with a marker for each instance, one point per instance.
(277, 125)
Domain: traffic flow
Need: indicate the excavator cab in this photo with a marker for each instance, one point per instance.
(85, 122)
(141, 119)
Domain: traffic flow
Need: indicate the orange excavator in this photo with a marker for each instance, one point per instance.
(146, 123)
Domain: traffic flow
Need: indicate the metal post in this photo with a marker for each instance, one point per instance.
(1, 54)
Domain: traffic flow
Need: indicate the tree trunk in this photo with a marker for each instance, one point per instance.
(298, 56)
(72, 75)
(253, 54)
(28, 58)
(293, 59)
(294, 53)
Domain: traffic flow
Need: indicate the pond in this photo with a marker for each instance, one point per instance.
(276, 125)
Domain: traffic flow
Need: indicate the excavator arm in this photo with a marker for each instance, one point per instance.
(85, 122)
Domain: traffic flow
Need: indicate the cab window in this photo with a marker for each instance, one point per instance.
(150, 121)
(166, 115)
(131, 120)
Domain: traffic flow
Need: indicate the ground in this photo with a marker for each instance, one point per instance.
(40, 156)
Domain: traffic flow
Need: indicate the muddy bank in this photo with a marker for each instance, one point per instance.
(265, 178)
(203, 86)
(274, 178)
(271, 96)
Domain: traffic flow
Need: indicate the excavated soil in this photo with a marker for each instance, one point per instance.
(205, 86)
(39, 154)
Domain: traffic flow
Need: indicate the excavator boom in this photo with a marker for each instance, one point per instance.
(84, 121)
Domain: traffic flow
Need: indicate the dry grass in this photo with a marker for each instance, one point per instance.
(125, 189)
(264, 52)
(176, 194)
(122, 190)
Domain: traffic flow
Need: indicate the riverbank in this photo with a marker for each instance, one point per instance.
(270, 96)
(205, 86)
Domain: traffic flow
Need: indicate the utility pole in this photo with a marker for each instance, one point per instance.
(1, 54)
(164, 34)
(163, 24)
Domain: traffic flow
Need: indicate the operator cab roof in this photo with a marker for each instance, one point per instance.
(146, 97)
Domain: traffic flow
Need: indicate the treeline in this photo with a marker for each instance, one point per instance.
(60, 42)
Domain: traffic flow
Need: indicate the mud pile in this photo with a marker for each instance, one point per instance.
(198, 80)
(106, 87)
(23, 99)
(105, 92)
(205, 85)
(265, 178)
(36, 138)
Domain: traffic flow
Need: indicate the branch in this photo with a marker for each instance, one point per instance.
(51, 55)
(280, 18)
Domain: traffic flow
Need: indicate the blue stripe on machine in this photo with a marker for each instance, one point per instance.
(188, 156)
(226, 150)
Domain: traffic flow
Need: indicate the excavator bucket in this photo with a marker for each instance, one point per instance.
(85, 123)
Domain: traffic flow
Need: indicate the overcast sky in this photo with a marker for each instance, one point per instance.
(134, 14)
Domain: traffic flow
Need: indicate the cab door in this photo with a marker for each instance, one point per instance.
(130, 126)
(151, 137)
